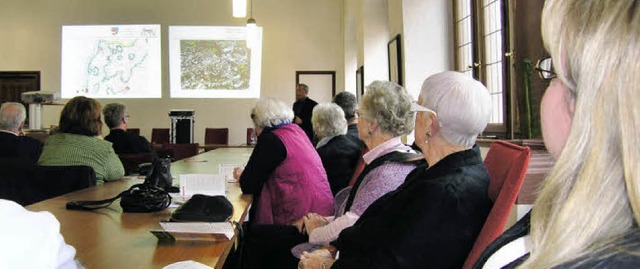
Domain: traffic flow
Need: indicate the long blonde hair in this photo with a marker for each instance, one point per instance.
(591, 197)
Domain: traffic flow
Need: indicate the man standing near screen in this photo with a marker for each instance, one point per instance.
(303, 108)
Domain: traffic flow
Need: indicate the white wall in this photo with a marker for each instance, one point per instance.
(298, 35)
(426, 29)
(375, 37)
(428, 40)
(350, 23)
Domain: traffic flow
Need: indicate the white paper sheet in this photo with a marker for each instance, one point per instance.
(187, 265)
(199, 228)
(207, 184)
(227, 171)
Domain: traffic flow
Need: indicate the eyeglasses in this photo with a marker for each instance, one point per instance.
(418, 108)
(544, 67)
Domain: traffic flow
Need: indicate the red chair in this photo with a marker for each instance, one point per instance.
(181, 151)
(131, 161)
(160, 135)
(216, 136)
(252, 138)
(135, 131)
(507, 166)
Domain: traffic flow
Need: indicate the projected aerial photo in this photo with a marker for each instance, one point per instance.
(214, 64)
(214, 61)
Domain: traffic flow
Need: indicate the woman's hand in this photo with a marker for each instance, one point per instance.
(299, 223)
(313, 221)
(312, 261)
(237, 172)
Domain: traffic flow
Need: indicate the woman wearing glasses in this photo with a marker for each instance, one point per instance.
(433, 218)
(587, 213)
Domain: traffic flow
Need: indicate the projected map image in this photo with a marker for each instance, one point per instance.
(111, 61)
(215, 61)
(214, 64)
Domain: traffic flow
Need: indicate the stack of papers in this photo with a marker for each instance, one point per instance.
(201, 231)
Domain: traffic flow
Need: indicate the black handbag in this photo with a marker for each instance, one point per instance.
(160, 175)
(204, 208)
(138, 198)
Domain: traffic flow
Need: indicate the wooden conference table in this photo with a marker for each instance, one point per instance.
(109, 238)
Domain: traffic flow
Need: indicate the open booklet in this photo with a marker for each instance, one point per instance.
(190, 185)
(208, 184)
(198, 231)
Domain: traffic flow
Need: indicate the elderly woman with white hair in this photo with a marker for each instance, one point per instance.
(434, 217)
(339, 153)
(386, 113)
(284, 171)
(286, 177)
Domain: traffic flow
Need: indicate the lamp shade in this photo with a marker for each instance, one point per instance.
(239, 8)
(251, 22)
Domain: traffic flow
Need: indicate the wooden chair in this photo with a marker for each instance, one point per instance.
(131, 161)
(181, 151)
(135, 131)
(252, 137)
(160, 135)
(216, 136)
(507, 166)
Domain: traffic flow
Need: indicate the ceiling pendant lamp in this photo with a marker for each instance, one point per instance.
(251, 27)
(251, 22)
(239, 8)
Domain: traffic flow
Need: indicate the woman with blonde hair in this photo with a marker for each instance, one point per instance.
(586, 214)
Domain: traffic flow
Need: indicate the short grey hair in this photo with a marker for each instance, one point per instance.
(328, 120)
(113, 114)
(347, 101)
(389, 105)
(269, 112)
(11, 119)
(463, 106)
(304, 86)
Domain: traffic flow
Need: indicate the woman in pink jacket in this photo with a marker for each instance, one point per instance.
(284, 172)
(286, 177)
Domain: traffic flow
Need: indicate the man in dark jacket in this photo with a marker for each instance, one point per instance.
(347, 101)
(116, 117)
(13, 143)
(303, 109)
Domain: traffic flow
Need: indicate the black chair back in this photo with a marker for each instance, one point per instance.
(27, 184)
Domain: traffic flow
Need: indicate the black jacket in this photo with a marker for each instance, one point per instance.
(430, 221)
(339, 158)
(620, 254)
(27, 148)
(124, 142)
(304, 109)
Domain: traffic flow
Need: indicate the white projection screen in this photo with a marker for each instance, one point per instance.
(215, 61)
(111, 61)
